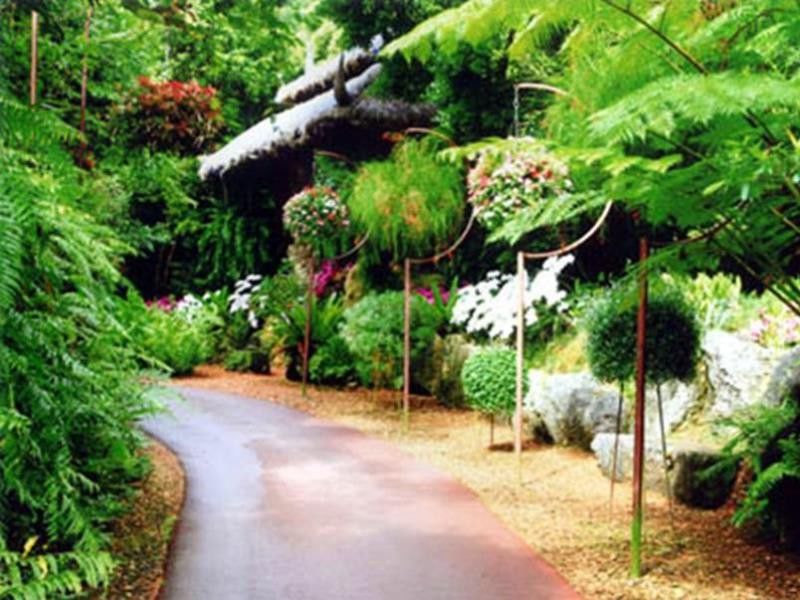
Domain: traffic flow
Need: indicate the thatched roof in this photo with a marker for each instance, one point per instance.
(321, 77)
(331, 114)
(285, 130)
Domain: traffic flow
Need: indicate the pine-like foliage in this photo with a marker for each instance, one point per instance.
(68, 393)
(687, 112)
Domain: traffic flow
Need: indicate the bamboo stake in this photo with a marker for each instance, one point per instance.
(638, 436)
(667, 483)
(615, 456)
(406, 339)
(521, 276)
(34, 56)
(309, 315)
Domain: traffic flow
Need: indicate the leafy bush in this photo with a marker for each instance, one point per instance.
(409, 205)
(490, 381)
(175, 115)
(673, 337)
(373, 331)
(168, 337)
(333, 363)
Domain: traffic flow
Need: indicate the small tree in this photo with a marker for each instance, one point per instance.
(672, 347)
(489, 380)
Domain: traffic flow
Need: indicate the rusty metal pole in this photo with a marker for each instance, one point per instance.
(34, 56)
(520, 360)
(406, 339)
(638, 434)
(309, 316)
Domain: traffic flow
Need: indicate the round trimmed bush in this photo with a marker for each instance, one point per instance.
(489, 378)
(673, 338)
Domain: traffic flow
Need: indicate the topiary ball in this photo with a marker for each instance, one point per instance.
(673, 338)
(489, 378)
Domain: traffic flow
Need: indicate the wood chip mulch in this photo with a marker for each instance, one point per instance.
(141, 538)
(561, 506)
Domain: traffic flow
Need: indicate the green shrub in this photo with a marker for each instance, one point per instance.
(410, 205)
(673, 337)
(167, 339)
(373, 331)
(489, 378)
(254, 361)
(289, 327)
(332, 363)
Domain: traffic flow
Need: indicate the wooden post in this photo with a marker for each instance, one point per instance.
(309, 316)
(34, 56)
(406, 339)
(638, 434)
(85, 71)
(520, 356)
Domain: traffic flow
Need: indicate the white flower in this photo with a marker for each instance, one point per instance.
(490, 306)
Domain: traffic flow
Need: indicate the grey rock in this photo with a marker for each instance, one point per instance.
(738, 372)
(571, 407)
(680, 401)
(688, 464)
(785, 380)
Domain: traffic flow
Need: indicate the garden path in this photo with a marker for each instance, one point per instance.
(282, 505)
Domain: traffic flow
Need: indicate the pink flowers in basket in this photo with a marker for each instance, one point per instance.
(501, 186)
(314, 215)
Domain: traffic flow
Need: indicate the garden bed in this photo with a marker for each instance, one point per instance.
(561, 508)
(141, 539)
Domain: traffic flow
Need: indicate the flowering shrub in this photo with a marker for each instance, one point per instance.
(329, 273)
(500, 188)
(774, 330)
(176, 115)
(241, 300)
(490, 307)
(317, 218)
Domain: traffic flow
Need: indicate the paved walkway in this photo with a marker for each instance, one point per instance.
(284, 506)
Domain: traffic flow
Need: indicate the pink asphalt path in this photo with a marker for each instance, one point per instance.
(284, 506)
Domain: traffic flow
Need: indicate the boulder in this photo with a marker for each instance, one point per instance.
(785, 380)
(690, 481)
(571, 407)
(738, 372)
(680, 401)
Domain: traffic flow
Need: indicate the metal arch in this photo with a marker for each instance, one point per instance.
(577, 243)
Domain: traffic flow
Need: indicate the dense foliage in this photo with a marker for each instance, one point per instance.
(373, 331)
(768, 440)
(410, 205)
(70, 394)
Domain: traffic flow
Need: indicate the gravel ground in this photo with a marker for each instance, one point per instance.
(141, 538)
(560, 506)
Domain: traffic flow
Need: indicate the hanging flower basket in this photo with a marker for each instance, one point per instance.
(316, 217)
(501, 186)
